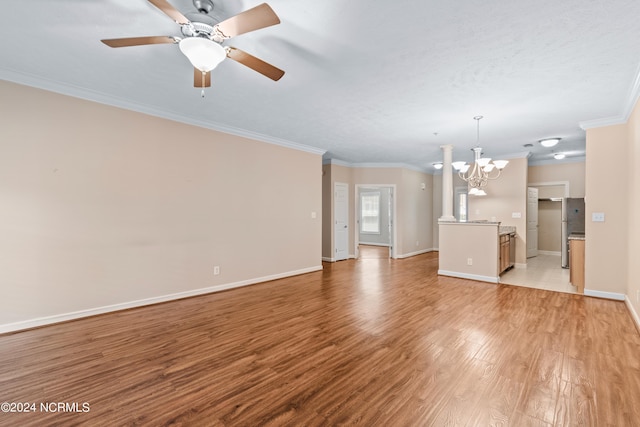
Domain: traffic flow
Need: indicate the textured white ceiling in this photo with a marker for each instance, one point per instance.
(367, 81)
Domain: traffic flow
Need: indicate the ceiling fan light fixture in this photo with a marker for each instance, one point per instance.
(204, 54)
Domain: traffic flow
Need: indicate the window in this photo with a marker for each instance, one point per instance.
(463, 197)
(460, 204)
(370, 212)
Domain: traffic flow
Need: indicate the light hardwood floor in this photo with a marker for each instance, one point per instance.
(372, 342)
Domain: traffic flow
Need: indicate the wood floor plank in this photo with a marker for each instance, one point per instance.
(374, 342)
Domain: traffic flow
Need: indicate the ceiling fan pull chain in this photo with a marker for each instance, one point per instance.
(202, 93)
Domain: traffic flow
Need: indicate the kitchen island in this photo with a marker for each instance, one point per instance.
(478, 250)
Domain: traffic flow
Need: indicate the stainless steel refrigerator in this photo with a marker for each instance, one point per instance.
(573, 215)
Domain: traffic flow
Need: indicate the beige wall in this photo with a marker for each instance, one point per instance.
(437, 208)
(607, 190)
(461, 242)
(413, 205)
(344, 175)
(505, 196)
(327, 211)
(633, 227)
(550, 213)
(102, 206)
(573, 173)
(549, 226)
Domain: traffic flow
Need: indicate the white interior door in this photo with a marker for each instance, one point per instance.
(341, 215)
(532, 222)
(390, 224)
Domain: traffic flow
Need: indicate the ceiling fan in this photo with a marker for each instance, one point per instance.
(203, 37)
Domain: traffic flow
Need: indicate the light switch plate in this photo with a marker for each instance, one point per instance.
(516, 214)
(597, 217)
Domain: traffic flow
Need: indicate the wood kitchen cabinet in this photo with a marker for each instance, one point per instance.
(576, 263)
(506, 246)
(504, 252)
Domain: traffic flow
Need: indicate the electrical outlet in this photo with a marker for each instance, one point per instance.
(469, 261)
(216, 270)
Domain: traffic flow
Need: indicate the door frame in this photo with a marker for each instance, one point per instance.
(334, 229)
(529, 241)
(392, 217)
(565, 184)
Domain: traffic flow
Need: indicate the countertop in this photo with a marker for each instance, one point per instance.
(506, 229)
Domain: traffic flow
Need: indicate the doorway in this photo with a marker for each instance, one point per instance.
(550, 218)
(375, 222)
(341, 216)
(532, 222)
(545, 270)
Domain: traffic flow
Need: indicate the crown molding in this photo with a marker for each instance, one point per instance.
(632, 100)
(598, 123)
(574, 159)
(374, 165)
(102, 98)
(391, 166)
(633, 97)
(336, 162)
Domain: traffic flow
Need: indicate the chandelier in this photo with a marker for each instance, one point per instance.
(483, 168)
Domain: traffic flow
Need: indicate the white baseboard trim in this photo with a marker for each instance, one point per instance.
(606, 295)
(327, 259)
(386, 245)
(517, 265)
(423, 251)
(489, 279)
(633, 312)
(57, 318)
(556, 253)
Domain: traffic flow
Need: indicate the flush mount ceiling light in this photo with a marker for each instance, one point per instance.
(437, 165)
(559, 156)
(549, 142)
(482, 169)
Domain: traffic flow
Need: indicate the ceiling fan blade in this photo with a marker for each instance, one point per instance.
(253, 19)
(199, 81)
(138, 41)
(170, 11)
(255, 64)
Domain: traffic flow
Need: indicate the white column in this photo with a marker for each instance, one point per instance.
(447, 184)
